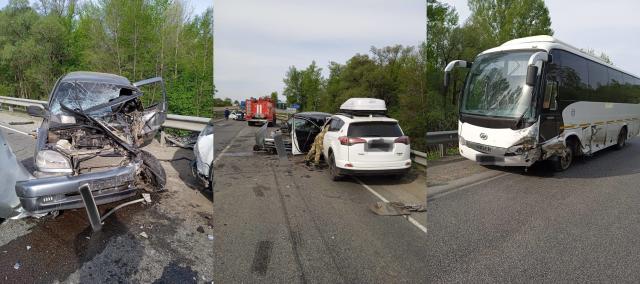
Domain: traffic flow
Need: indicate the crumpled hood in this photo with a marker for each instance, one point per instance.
(500, 137)
(12, 171)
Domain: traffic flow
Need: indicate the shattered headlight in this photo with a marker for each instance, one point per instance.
(462, 141)
(522, 146)
(49, 161)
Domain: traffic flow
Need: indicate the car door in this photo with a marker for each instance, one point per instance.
(155, 108)
(330, 139)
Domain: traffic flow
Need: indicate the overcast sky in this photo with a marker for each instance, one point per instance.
(257, 41)
(611, 26)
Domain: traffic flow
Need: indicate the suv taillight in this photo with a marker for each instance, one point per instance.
(344, 140)
(403, 140)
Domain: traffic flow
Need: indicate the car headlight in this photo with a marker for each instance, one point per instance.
(49, 161)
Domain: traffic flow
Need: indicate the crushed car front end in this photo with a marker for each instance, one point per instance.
(91, 134)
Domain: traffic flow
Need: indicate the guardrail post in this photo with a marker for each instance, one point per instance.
(162, 137)
(10, 108)
(441, 150)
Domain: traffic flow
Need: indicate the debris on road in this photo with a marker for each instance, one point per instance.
(147, 197)
(28, 247)
(20, 122)
(210, 237)
(396, 208)
(186, 142)
(16, 266)
(200, 229)
(144, 235)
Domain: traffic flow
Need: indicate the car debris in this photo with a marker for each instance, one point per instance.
(202, 166)
(91, 134)
(20, 122)
(144, 235)
(396, 208)
(297, 133)
(186, 142)
(210, 237)
(16, 266)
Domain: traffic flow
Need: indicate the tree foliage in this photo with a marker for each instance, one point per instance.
(137, 39)
(395, 74)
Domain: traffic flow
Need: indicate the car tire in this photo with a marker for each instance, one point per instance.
(153, 176)
(563, 163)
(622, 138)
(333, 169)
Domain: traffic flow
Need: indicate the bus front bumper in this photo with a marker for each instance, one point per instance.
(500, 159)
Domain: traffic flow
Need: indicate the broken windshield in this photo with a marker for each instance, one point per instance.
(495, 85)
(85, 95)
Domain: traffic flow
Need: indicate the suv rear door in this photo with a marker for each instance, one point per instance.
(375, 141)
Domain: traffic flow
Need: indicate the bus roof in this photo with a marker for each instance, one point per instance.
(548, 43)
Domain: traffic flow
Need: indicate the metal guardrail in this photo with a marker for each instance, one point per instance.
(191, 123)
(442, 139)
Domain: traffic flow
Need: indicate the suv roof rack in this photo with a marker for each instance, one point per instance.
(352, 114)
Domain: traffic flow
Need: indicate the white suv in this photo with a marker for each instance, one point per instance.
(360, 144)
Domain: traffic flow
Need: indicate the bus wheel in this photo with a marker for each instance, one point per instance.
(622, 138)
(563, 162)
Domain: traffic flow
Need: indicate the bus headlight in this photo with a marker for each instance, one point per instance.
(49, 161)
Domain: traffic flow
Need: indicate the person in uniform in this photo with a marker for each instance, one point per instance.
(316, 148)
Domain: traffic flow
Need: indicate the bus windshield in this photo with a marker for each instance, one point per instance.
(495, 86)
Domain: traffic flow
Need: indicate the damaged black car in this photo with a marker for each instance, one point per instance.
(92, 133)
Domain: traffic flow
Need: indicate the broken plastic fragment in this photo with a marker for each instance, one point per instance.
(210, 237)
(144, 235)
(28, 247)
(147, 197)
(16, 266)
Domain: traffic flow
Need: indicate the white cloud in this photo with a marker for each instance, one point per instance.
(257, 41)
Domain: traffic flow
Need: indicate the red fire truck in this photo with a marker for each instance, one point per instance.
(260, 111)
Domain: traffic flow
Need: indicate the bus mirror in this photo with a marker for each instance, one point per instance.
(532, 73)
(447, 79)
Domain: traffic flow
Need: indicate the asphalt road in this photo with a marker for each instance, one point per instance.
(64, 249)
(581, 225)
(278, 222)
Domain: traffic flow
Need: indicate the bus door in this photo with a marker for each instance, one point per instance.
(550, 117)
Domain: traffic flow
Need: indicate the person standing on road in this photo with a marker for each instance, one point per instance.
(226, 113)
(316, 148)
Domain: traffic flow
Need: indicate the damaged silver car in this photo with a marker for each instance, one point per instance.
(91, 134)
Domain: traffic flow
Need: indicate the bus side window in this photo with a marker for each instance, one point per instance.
(550, 95)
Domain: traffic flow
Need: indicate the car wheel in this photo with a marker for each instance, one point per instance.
(152, 176)
(333, 169)
(622, 138)
(562, 163)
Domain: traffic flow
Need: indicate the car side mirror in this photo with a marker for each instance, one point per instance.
(37, 111)
(532, 74)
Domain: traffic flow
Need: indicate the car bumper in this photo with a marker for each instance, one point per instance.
(377, 168)
(48, 194)
(496, 160)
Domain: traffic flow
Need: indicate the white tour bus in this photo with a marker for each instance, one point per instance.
(537, 98)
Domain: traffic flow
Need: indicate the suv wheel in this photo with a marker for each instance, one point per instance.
(333, 169)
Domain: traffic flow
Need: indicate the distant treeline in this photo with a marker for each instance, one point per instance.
(137, 39)
(395, 74)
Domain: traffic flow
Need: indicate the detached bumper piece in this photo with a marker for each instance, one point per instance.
(48, 194)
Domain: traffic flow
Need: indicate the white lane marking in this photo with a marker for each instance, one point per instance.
(436, 196)
(409, 218)
(15, 130)
(228, 146)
